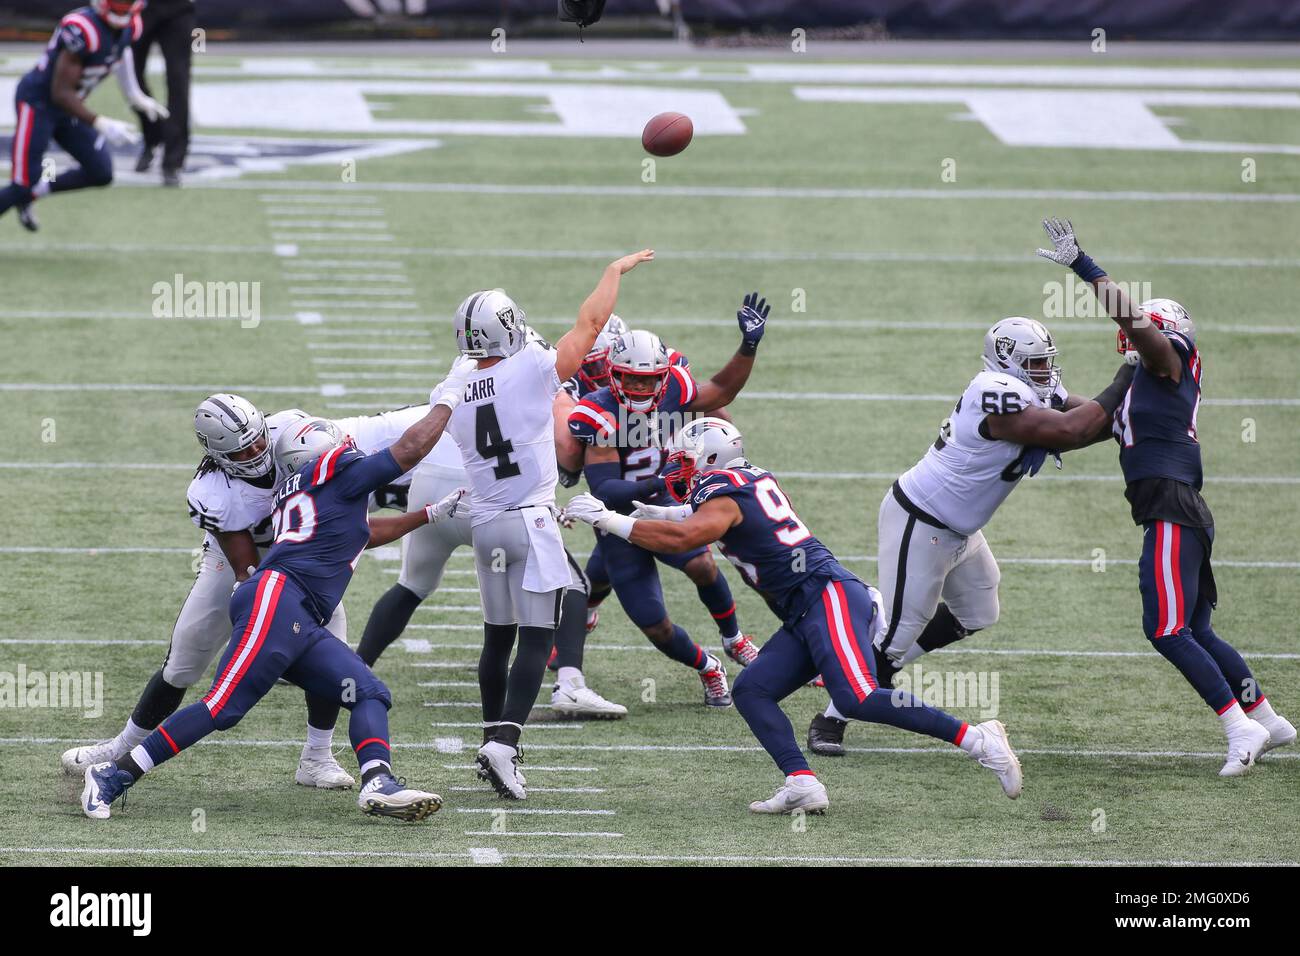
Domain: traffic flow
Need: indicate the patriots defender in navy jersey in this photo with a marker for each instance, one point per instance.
(279, 613)
(1160, 456)
(625, 428)
(828, 616)
(89, 42)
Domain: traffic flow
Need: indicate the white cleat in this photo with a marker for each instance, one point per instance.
(1244, 747)
(800, 792)
(104, 784)
(76, 760)
(994, 752)
(576, 699)
(324, 773)
(1280, 733)
(386, 796)
(498, 764)
(741, 649)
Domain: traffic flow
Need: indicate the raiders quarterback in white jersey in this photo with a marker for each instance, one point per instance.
(230, 500)
(505, 429)
(936, 572)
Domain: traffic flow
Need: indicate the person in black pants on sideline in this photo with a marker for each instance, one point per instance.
(170, 24)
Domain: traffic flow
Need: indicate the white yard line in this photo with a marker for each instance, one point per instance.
(531, 767)
(560, 834)
(539, 812)
(380, 290)
(368, 346)
(531, 790)
(478, 725)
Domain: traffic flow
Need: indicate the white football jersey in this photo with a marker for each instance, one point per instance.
(506, 434)
(964, 476)
(373, 432)
(221, 503)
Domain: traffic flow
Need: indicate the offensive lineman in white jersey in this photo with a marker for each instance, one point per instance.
(230, 500)
(936, 572)
(506, 433)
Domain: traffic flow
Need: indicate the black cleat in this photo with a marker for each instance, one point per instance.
(171, 177)
(826, 736)
(145, 160)
(28, 218)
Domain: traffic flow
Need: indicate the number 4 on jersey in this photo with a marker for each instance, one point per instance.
(490, 443)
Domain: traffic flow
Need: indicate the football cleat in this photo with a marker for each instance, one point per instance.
(593, 617)
(386, 796)
(993, 750)
(576, 699)
(104, 784)
(826, 736)
(714, 678)
(323, 773)
(145, 159)
(800, 792)
(76, 760)
(498, 764)
(1244, 747)
(28, 218)
(740, 649)
(1280, 733)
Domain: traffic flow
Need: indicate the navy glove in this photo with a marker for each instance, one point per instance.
(753, 319)
(1032, 460)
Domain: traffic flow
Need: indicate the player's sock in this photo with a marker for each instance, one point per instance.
(132, 736)
(494, 668)
(568, 675)
(1196, 664)
(1230, 664)
(158, 701)
(598, 594)
(368, 731)
(717, 598)
(682, 649)
(527, 673)
(320, 742)
(182, 729)
(388, 619)
(322, 715)
(833, 712)
(942, 630)
(900, 709)
(571, 636)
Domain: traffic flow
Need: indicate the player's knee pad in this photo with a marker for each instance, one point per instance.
(983, 614)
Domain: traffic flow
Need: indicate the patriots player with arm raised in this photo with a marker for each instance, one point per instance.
(321, 530)
(937, 572)
(89, 42)
(1160, 457)
(828, 615)
(625, 428)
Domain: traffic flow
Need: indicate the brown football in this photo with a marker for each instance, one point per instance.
(667, 134)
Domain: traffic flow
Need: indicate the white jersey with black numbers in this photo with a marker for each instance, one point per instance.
(964, 476)
(506, 434)
(219, 502)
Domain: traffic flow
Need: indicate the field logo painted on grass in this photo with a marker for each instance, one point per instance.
(181, 299)
(73, 690)
(74, 908)
(948, 690)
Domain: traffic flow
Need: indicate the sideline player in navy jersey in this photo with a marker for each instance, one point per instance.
(279, 613)
(89, 42)
(625, 427)
(1160, 456)
(828, 615)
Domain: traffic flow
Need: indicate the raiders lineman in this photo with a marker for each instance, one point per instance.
(230, 500)
(506, 434)
(937, 574)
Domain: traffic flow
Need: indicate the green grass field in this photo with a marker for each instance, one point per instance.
(900, 271)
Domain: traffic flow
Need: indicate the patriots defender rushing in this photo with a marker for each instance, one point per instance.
(321, 530)
(1160, 456)
(828, 615)
(938, 575)
(626, 427)
(89, 42)
(506, 433)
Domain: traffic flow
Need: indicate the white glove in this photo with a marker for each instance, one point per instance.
(451, 390)
(115, 131)
(446, 507)
(1065, 249)
(589, 508)
(661, 512)
(150, 107)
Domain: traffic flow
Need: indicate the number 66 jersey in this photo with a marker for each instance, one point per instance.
(966, 474)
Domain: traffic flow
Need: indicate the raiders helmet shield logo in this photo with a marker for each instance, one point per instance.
(1004, 346)
(506, 317)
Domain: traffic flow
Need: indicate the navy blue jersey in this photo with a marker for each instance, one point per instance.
(1156, 423)
(772, 548)
(84, 35)
(320, 521)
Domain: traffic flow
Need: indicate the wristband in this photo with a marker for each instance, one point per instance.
(747, 348)
(428, 514)
(1113, 394)
(1086, 269)
(617, 524)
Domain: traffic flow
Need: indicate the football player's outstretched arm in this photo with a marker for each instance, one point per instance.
(1079, 426)
(723, 388)
(418, 440)
(574, 344)
(240, 551)
(709, 523)
(1156, 352)
(603, 472)
(388, 528)
(125, 70)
